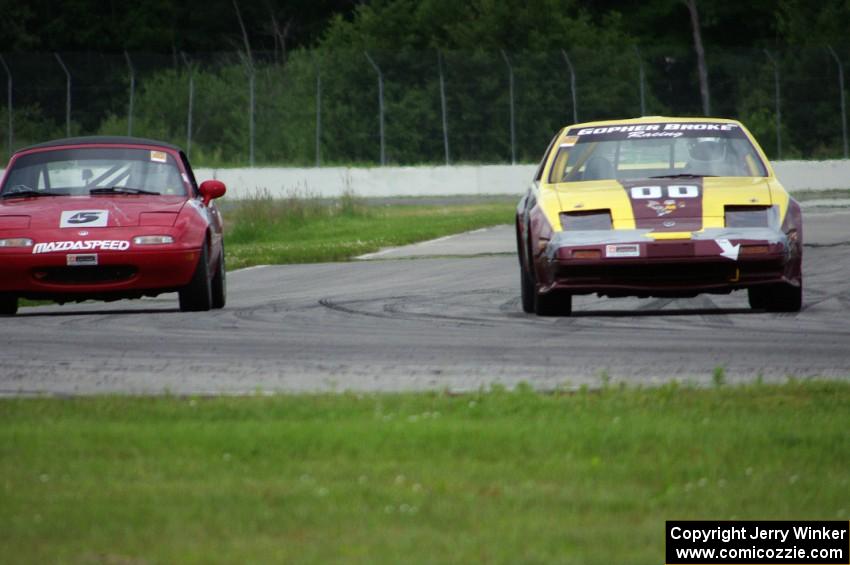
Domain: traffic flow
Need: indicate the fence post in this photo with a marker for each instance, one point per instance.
(251, 125)
(67, 95)
(380, 105)
(572, 84)
(132, 93)
(443, 106)
(778, 112)
(641, 82)
(318, 113)
(8, 100)
(841, 85)
(191, 103)
(511, 92)
(249, 62)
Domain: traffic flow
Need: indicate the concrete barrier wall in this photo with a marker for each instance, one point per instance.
(813, 175)
(378, 181)
(461, 179)
(457, 180)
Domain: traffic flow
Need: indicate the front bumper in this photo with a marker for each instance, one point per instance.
(135, 272)
(637, 262)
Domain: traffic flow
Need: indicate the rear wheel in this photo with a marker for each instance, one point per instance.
(776, 298)
(197, 295)
(8, 304)
(219, 284)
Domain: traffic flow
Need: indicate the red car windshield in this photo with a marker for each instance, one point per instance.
(93, 170)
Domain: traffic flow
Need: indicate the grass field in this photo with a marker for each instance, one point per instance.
(498, 477)
(265, 230)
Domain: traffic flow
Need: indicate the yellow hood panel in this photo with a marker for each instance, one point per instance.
(717, 193)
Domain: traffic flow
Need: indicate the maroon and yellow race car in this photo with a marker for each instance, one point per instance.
(107, 218)
(656, 206)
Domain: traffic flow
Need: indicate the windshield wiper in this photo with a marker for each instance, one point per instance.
(120, 190)
(681, 176)
(29, 193)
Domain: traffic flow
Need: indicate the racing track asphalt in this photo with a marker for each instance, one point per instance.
(429, 323)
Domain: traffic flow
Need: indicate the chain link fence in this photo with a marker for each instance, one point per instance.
(413, 107)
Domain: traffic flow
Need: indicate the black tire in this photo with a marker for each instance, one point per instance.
(527, 290)
(8, 304)
(197, 295)
(553, 304)
(758, 297)
(219, 283)
(777, 298)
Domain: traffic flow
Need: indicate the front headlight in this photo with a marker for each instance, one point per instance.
(153, 240)
(586, 220)
(16, 242)
(747, 216)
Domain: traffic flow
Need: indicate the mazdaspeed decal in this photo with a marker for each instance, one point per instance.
(84, 218)
(87, 245)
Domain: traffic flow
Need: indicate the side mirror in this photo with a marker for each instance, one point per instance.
(211, 189)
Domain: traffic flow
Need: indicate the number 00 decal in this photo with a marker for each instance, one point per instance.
(639, 192)
(682, 191)
(673, 191)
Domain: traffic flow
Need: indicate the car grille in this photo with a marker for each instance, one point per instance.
(84, 274)
(669, 273)
(649, 274)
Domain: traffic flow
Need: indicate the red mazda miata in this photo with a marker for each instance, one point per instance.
(107, 218)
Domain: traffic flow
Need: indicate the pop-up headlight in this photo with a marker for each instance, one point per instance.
(747, 216)
(586, 220)
(16, 242)
(153, 240)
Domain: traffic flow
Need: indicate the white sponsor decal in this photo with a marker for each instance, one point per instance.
(569, 141)
(159, 156)
(89, 245)
(622, 250)
(87, 218)
(657, 130)
(81, 260)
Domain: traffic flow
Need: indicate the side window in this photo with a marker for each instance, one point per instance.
(190, 174)
(539, 174)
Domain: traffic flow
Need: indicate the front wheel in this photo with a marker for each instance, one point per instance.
(527, 291)
(553, 304)
(197, 295)
(776, 298)
(8, 304)
(219, 284)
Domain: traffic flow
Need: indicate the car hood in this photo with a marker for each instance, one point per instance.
(680, 205)
(50, 212)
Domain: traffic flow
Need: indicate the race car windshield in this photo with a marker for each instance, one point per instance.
(655, 151)
(95, 170)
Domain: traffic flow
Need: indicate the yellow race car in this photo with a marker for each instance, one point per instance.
(658, 206)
